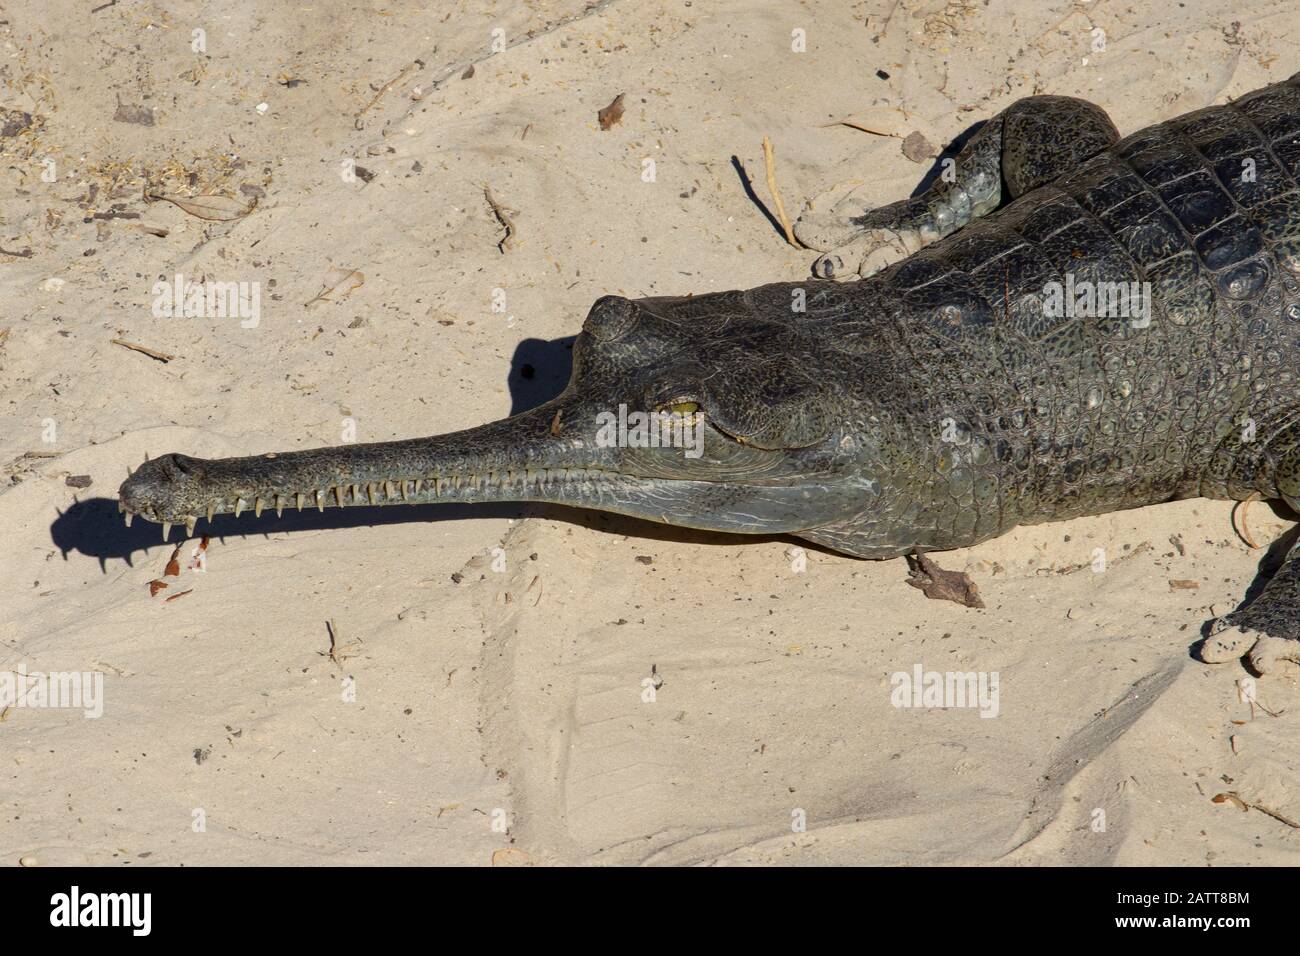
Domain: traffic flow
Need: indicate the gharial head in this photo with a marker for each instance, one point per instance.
(696, 412)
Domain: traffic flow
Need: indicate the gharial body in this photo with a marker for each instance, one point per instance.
(947, 396)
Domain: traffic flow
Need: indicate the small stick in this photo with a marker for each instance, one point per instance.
(507, 241)
(333, 630)
(770, 161)
(384, 89)
(152, 353)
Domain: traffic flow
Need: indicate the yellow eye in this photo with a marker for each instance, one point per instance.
(684, 408)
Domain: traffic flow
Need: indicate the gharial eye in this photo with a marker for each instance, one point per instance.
(684, 408)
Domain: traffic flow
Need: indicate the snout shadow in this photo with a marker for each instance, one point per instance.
(95, 527)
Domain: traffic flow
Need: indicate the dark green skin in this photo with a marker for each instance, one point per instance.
(934, 404)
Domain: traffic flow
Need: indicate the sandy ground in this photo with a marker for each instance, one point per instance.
(597, 690)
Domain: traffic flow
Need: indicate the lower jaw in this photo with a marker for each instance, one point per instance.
(664, 500)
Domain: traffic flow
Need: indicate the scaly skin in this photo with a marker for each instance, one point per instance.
(935, 403)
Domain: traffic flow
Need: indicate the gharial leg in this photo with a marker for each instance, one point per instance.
(1031, 142)
(1265, 631)
(1268, 629)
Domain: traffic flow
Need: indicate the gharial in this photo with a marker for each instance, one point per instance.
(1068, 323)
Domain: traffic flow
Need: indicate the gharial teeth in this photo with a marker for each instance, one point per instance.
(121, 506)
(212, 509)
(279, 506)
(129, 516)
(190, 523)
(167, 529)
(258, 505)
(356, 494)
(239, 506)
(320, 500)
(419, 483)
(299, 496)
(338, 494)
(370, 492)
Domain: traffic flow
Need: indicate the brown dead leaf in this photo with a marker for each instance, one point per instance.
(611, 114)
(1232, 798)
(917, 148)
(1183, 584)
(940, 585)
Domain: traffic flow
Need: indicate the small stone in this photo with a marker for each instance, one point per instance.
(27, 861)
(140, 115)
(917, 148)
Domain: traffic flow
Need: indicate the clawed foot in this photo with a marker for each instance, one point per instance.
(850, 245)
(1230, 639)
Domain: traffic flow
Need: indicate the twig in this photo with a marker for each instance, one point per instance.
(508, 240)
(770, 162)
(384, 89)
(332, 629)
(1237, 800)
(152, 353)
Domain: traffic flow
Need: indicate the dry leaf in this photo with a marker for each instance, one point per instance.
(612, 113)
(215, 208)
(880, 122)
(1232, 798)
(339, 284)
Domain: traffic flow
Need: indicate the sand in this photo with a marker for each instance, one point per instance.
(532, 685)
